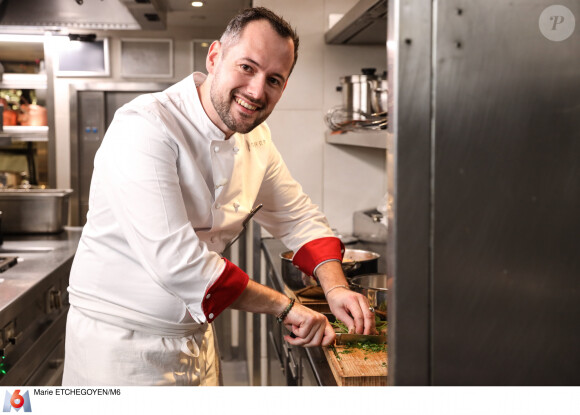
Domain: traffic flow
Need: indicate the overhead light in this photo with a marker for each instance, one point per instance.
(197, 3)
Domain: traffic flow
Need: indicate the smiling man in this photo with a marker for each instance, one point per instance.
(247, 75)
(176, 176)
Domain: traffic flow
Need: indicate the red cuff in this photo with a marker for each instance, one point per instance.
(224, 291)
(317, 251)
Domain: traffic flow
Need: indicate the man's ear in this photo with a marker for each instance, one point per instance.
(213, 55)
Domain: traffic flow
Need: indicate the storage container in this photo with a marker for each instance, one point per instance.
(34, 210)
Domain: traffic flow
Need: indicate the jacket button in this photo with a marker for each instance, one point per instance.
(217, 206)
(207, 296)
(216, 149)
(210, 315)
(236, 149)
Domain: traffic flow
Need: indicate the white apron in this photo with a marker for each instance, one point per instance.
(137, 358)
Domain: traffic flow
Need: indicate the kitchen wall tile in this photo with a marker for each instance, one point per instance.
(305, 85)
(355, 179)
(302, 148)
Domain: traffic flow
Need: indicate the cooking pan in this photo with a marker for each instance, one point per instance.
(355, 262)
(374, 288)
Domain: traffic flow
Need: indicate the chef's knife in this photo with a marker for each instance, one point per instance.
(345, 338)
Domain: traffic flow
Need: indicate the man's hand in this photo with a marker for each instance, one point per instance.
(353, 310)
(350, 307)
(308, 328)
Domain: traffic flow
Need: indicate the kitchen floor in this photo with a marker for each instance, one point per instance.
(235, 373)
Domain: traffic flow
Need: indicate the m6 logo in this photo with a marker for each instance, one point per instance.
(17, 401)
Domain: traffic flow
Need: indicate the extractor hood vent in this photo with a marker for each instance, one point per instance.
(82, 14)
(149, 14)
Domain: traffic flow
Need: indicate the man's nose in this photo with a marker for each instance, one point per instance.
(256, 87)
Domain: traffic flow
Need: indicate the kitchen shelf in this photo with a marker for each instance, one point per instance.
(23, 81)
(21, 133)
(365, 23)
(372, 138)
(11, 134)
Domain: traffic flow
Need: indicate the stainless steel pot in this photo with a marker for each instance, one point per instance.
(356, 92)
(380, 94)
(374, 287)
(355, 262)
(364, 94)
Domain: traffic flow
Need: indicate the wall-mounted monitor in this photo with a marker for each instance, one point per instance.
(81, 58)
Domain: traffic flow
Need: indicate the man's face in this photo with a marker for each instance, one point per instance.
(250, 76)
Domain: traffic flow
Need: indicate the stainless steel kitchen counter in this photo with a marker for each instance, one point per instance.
(272, 249)
(38, 257)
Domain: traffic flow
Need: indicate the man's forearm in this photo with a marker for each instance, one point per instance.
(330, 274)
(257, 298)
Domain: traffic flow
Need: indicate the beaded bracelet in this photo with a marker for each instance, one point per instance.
(284, 313)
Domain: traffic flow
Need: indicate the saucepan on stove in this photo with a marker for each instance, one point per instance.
(355, 262)
(374, 288)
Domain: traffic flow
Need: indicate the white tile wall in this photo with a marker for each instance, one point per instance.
(297, 137)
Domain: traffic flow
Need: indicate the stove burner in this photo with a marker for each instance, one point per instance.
(7, 262)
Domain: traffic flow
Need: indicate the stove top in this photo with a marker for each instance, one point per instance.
(7, 262)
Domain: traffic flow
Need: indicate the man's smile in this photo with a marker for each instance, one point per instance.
(245, 104)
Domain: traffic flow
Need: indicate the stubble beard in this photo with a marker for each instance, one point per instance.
(223, 107)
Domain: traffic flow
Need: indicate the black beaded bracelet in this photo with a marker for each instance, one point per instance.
(284, 313)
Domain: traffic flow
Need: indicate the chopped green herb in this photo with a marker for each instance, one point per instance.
(366, 346)
(340, 327)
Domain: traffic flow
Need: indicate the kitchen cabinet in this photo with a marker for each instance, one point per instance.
(33, 307)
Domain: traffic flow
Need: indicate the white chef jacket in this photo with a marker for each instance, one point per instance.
(168, 192)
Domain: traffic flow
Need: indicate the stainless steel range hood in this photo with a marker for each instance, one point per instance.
(83, 14)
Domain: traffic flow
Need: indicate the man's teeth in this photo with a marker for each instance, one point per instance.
(245, 104)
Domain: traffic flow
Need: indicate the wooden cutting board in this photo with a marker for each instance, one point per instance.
(357, 368)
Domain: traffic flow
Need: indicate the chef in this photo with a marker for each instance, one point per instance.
(176, 175)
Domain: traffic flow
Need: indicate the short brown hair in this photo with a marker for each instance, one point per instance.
(235, 27)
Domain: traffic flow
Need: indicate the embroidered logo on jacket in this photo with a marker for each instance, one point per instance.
(256, 144)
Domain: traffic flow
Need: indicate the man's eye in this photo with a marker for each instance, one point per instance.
(275, 81)
(246, 68)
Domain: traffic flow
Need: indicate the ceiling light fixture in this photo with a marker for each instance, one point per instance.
(197, 3)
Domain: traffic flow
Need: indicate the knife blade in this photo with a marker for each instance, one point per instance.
(345, 338)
